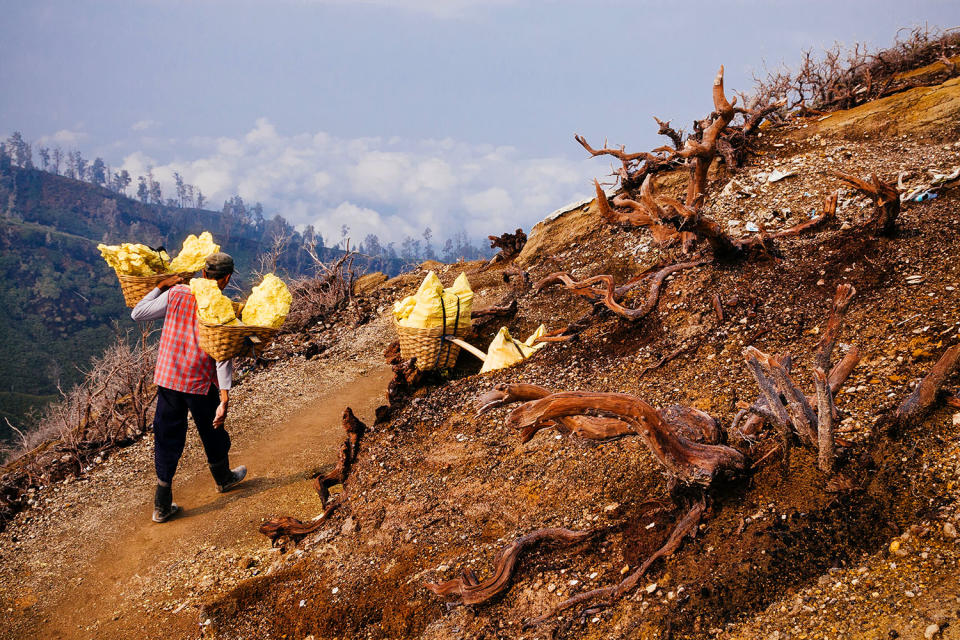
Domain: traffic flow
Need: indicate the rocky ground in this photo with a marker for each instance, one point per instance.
(870, 553)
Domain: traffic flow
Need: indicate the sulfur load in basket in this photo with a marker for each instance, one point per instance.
(140, 268)
(423, 319)
(269, 303)
(221, 334)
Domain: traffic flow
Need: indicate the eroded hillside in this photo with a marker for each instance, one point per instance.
(868, 550)
(438, 490)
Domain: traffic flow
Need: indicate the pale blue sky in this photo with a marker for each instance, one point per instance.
(390, 116)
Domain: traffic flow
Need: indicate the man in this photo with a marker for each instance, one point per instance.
(188, 379)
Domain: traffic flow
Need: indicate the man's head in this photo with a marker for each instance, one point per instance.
(219, 267)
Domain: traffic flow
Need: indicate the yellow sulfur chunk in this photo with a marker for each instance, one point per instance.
(459, 298)
(403, 308)
(505, 352)
(133, 259)
(269, 303)
(424, 310)
(212, 306)
(193, 254)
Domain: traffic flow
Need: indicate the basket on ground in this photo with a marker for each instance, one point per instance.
(134, 288)
(427, 346)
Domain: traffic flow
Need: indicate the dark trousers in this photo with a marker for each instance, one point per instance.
(170, 428)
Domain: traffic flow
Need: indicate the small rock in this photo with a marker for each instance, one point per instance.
(948, 529)
(956, 419)
(931, 631)
(651, 587)
(731, 188)
(349, 526)
(776, 175)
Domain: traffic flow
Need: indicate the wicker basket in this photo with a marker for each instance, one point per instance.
(427, 346)
(222, 342)
(136, 287)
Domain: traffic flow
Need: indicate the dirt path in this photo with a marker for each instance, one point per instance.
(122, 585)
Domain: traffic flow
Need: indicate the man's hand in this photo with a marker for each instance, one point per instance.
(221, 415)
(166, 283)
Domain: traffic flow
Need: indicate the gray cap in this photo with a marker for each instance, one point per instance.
(218, 265)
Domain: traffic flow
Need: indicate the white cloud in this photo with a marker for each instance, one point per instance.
(391, 187)
(494, 199)
(143, 125)
(64, 138)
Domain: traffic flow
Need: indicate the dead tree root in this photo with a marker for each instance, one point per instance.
(608, 596)
(606, 295)
(688, 461)
(276, 528)
(693, 424)
(472, 591)
(923, 397)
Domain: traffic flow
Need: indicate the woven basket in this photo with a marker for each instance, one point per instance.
(222, 342)
(427, 346)
(136, 287)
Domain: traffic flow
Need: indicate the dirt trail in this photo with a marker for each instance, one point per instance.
(280, 457)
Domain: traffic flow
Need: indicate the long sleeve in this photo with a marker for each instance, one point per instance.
(225, 375)
(152, 307)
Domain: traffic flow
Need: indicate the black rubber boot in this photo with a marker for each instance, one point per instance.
(163, 505)
(225, 477)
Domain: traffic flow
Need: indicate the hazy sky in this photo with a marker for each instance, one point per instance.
(390, 116)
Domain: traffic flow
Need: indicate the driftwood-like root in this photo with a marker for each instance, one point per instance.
(838, 375)
(825, 422)
(886, 202)
(916, 405)
(688, 422)
(586, 427)
(472, 591)
(784, 404)
(276, 528)
(607, 596)
(688, 461)
(607, 294)
(841, 301)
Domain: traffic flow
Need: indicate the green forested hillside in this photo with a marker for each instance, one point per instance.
(60, 302)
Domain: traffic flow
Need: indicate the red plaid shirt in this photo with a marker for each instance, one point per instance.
(181, 364)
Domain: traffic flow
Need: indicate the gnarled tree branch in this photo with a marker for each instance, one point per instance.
(886, 201)
(690, 462)
(276, 528)
(472, 591)
(606, 295)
